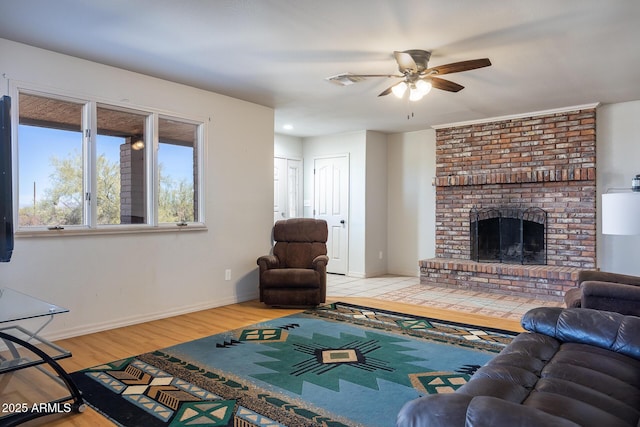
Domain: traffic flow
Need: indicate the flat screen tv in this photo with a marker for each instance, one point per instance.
(6, 199)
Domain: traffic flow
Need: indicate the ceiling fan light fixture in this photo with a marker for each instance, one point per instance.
(415, 94)
(413, 68)
(399, 89)
(423, 86)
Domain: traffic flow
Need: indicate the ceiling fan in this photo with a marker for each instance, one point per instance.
(415, 74)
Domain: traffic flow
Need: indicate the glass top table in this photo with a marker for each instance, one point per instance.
(16, 306)
(24, 349)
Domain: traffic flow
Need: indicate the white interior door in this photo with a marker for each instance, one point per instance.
(294, 188)
(279, 188)
(287, 188)
(331, 189)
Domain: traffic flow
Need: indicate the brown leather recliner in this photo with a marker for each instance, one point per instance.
(295, 274)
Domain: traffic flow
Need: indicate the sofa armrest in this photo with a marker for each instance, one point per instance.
(609, 296)
(605, 276)
(604, 329)
(435, 410)
(612, 290)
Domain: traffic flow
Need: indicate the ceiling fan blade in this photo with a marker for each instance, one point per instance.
(447, 85)
(346, 79)
(405, 62)
(377, 75)
(387, 91)
(456, 67)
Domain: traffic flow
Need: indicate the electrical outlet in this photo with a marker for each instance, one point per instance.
(227, 274)
(380, 255)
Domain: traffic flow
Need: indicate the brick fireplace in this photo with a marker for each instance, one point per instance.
(545, 161)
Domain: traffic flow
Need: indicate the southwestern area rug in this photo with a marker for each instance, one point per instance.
(337, 365)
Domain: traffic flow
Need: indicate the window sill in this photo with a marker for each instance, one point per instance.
(110, 230)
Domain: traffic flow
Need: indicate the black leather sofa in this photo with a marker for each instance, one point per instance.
(575, 367)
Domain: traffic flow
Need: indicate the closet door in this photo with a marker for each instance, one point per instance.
(287, 188)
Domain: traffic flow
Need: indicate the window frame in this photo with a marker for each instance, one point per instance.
(89, 160)
(148, 162)
(199, 150)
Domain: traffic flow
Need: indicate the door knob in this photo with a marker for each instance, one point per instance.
(342, 221)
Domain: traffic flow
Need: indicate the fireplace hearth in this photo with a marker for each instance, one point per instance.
(508, 235)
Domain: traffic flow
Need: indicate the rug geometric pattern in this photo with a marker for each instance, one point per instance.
(162, 395)
(331, 366)
(487, 338)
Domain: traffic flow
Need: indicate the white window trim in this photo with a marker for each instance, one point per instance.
(90, 104)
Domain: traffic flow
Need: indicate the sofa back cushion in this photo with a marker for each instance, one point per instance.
(604, 329)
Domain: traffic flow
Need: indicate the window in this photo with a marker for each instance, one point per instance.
(50, 178)
(72, 177)
(121, 166)
(177, 166)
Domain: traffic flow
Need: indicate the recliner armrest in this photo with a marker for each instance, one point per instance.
(605, 329)
(320, 262)
(267, 262)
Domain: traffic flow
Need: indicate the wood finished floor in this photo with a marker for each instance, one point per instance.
(102, 347)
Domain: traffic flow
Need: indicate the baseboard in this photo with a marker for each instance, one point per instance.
(134, 320)
(408, 273)
(356, 275)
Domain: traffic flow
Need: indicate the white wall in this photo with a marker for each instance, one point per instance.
(112, 280)
(618, 160)
(287, 146)
(376, 204)
(411, 200)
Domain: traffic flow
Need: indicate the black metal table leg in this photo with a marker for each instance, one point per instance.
(77, 404)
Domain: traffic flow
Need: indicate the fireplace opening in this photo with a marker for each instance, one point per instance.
(508, 235)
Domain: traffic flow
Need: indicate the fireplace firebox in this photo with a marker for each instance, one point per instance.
(508, 235)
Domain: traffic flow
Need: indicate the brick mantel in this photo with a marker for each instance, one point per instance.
(557, 175)
(546, 161)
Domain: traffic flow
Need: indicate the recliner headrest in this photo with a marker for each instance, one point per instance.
(300, 230)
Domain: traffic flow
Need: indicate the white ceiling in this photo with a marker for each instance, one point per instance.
(546, 54)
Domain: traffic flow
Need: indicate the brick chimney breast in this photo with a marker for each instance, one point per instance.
(544, 161)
